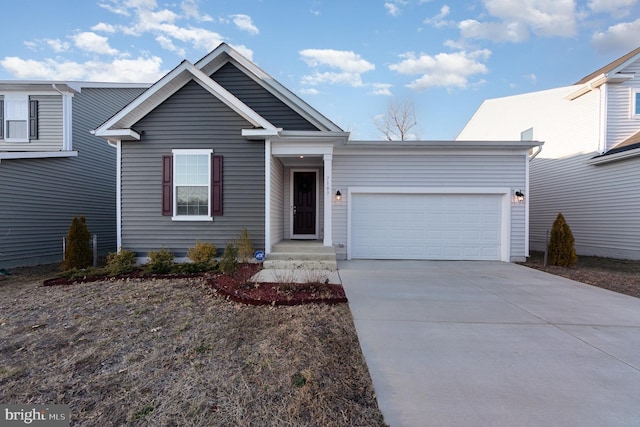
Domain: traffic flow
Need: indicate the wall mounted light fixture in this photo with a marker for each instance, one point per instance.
(519, 195)
(338, 195)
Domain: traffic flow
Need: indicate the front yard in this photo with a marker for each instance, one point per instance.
(169, 352)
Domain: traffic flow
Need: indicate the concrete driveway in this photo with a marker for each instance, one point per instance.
(494, 344)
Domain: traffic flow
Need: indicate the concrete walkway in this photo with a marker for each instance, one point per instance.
(494, 344)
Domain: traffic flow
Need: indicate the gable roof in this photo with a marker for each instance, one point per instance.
(611, 68)
(119, 126)
(224, 53)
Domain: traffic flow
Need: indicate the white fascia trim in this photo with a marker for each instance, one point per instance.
(505, 192)
(260, 133)
(11, 155)
(290, 149)
(120, 134)
(623, 155)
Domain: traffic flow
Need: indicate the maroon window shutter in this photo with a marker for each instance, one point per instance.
(167, 185)
(216, 185)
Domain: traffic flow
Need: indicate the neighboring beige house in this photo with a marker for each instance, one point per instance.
(589, 168)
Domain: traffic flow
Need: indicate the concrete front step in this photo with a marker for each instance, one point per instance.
(298, 264)
(302, 247)
(297, 276)
(302, 256)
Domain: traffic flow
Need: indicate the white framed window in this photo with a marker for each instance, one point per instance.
(192, 184)
(18, 118)
(635, 104)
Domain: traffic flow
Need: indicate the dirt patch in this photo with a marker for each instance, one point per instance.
(618, 275)
(163, 351)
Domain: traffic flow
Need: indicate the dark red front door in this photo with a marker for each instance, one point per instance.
(304, 203)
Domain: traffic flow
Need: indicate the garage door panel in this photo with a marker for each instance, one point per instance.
(426, 226)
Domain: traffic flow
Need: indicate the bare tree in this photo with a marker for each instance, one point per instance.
(397, 123)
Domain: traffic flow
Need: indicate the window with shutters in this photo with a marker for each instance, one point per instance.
(18, 118)
(192, 185)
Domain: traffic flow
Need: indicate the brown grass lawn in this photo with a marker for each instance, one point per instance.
(618, 275)
(169, 352)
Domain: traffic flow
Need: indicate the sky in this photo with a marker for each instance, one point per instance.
(349, 59)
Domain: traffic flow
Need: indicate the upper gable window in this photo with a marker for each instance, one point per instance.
(635, 103)
(18, 118)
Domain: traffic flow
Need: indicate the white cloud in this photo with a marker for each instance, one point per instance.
(393, 6)
(617, 8)
(190, 9)
(104, 28)
(381, 89)
(349, 67)
(244, 23)
(514, 32)
(342, 59)
(93, 43)
(438, 21)
(517, 18)
(57, 45)
(621, 37)
(450, 70)
(118, 70)
(392, 9)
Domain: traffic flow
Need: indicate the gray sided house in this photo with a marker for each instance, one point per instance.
(52, 168)
(219, 145)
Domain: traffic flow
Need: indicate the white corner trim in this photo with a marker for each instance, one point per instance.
(118, 194)
(11, 155)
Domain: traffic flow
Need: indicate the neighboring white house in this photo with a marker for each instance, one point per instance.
(589, 168)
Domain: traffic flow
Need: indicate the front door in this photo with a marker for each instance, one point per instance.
(304, 203)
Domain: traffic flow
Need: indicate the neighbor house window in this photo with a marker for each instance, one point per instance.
(192, 185)
(18, 118)
(635, 104)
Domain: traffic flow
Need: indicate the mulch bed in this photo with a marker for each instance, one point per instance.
(237, 287)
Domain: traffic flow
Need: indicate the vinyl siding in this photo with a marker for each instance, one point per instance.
(424, 170)
(620, 123)
(259, 99)
(39, 197)
(600, 203)
(277, 201)
(192, 118)
(49, 127)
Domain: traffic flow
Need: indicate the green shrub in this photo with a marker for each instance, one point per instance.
(121, 262)
(202, 252)
(229, 261)
(194, 267)
(160, 262)
(78, 253)
(561, 250)
(245, 247)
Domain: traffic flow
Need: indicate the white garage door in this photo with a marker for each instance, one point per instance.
(426, 226)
